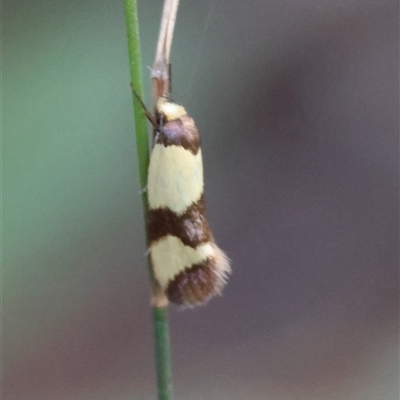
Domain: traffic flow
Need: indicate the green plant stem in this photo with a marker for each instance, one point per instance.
(163, 353)
(135, 65)
(160, 314)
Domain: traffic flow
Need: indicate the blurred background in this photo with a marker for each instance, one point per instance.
(297, 102)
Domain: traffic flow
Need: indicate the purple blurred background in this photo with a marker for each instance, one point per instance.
(297, 102)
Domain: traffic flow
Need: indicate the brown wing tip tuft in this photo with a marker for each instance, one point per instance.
(198, 283)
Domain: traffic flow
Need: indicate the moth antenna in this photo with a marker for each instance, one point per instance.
(149, 115)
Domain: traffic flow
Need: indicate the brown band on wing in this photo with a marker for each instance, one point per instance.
(191, 227)
(195, 284)
(180, 132)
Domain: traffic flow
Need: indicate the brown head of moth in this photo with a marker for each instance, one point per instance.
(188, 266)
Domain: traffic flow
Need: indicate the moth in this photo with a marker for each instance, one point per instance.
(187, 264)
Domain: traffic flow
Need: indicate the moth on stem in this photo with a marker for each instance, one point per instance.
(188, 267)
